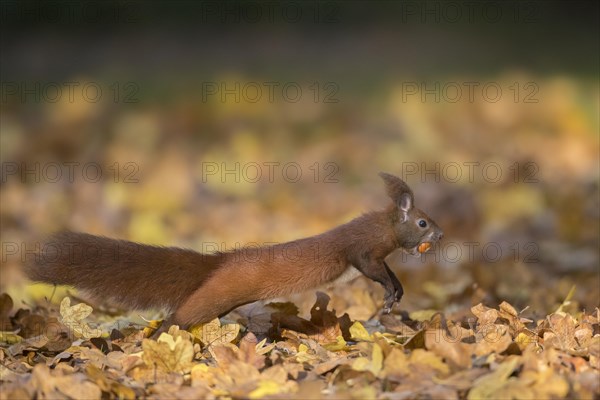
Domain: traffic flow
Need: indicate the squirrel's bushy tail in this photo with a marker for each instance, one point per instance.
(131, 274)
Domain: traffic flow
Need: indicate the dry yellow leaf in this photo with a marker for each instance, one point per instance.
(430, 359)
(525, 338)
(550, 384)
(167, 354)
(265, 388)
(10, 338)
(360, 364)
(422, 315)
(376, 359)
(152, 326)
(213, 333)
(396, 365)
(263, 348)
(273, 380)
(359, 333)
(374, 365)
(72, 317)
(303, 355)
(488, 385)
(339, 345)
(302, 348)
(203, 375)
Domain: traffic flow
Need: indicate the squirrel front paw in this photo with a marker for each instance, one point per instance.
(390, 299)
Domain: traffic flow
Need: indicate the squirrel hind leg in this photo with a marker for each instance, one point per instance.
(205, 305)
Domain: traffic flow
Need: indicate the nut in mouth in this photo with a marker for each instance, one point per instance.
(423, 247)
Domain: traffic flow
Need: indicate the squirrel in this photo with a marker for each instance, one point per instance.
(196, 288)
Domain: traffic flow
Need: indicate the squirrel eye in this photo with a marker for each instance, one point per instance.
(422, 223)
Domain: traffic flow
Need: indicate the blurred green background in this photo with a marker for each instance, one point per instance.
(119, 119)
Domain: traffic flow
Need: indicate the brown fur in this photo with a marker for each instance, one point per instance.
(199, 287)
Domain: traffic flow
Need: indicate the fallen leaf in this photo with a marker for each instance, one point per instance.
(422, 315)
(10, 338)
(167, 354)
(374, 364)
(359, 333)
(455, 352)
(72, 317)
(488, 386)
(396, 365)
(213, 333)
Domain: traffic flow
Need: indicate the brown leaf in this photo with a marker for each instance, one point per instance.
(509, 313)
(225, 355)
(417, 341)
(323, 327)
(248, 352)
(100, 344)
(52, 385)
(32, 325)
(109, 385)
(326, 321)
(462, 380)
(562, 334)
(326, 366)
(583, 335)
(457, 354)
(485, 316)
(6, 305)
(394, 325)
(492, 338)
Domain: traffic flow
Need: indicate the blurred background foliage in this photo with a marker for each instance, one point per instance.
(155, 135)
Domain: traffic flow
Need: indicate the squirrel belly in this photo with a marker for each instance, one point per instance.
(350, 273)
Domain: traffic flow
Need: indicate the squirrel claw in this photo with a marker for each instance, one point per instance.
(398, 296)
(387, 306)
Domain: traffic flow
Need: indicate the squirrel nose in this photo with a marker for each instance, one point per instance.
(440, 235)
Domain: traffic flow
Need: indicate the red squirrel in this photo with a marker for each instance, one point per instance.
(196, 287)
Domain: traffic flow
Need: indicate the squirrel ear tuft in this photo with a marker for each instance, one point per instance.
(398, 190)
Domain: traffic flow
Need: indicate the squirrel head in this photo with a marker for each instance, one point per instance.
(415, 231)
